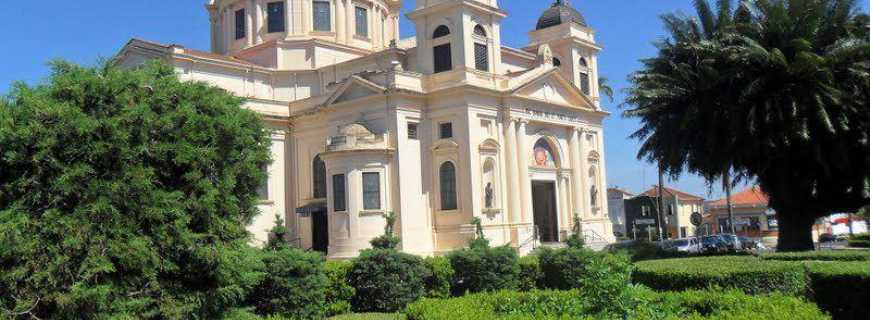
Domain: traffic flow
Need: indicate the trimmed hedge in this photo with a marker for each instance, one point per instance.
(860, 240)
(748, 274)
(841, 288)
(530, 273)
(639, 303)
(841, 255)
(295, 284)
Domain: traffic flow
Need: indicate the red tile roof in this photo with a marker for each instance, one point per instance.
(749, 197)
(654, 192)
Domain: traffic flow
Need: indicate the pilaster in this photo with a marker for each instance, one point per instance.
(522, 162)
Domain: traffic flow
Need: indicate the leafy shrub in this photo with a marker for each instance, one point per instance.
(386, 280)
(340, 292)
(842, 255)
(860, 240)
(640, 250)
(440, 275)
(605, 276)
(643, 304)
(484, 269)
(841, 288)
(749, 274)
(126, 193)
(530, 273)
(294, 285)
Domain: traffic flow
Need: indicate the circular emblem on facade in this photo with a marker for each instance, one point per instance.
(697, 219)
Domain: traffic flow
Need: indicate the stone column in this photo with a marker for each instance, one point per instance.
(340, 21)
(258, 21)
(513, 191)
(288, 18)
(525, 185)
(249, 23)
(564, 208)
(577, 172)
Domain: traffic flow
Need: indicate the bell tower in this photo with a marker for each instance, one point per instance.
(572, 41)
(458, 35)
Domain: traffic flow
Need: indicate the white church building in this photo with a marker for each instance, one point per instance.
(438, 128)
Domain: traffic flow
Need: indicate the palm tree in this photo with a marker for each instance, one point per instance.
(605, 88)
(777, 91)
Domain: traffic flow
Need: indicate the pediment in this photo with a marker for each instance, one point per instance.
(354, 88)
(552, 88)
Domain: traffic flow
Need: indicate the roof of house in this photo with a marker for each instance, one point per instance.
(752, 196)
(654, 192)
(620, 191)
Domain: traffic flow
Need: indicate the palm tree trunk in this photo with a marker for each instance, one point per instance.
(795, 230)
(726, 183)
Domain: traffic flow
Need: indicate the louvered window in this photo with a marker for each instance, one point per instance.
(322, 16)
(442, 58)
(584, 83)
(481, 57)
(412, 131)
(240, 24)
(362, 22)
(275, 12)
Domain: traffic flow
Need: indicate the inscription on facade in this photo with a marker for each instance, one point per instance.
(549, 116)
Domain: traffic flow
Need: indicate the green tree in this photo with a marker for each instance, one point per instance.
(125, 193)
(776, 91)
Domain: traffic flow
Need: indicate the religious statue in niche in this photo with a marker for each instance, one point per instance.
(543, 154)
(489, 194)
(593, 195)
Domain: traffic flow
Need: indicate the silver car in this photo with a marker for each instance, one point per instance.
(687, 245)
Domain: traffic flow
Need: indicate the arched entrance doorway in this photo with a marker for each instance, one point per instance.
(544, 191)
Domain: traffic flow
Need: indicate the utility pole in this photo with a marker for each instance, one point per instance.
(661, 203)
(726, 184)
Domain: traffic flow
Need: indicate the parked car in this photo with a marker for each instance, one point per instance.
(687, 245)
(827, 237)
(713, 244)
(732, 242)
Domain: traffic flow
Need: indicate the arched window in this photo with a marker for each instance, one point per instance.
(318, 174)
(481, 49)
(447, 177)
(441, 54)
(584, 76)
(544, 154)
(441, 31)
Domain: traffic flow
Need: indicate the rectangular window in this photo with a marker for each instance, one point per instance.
(362, 22)
(322, 16)
(481, 57)
(412, 131)
(275, 12)
(371, 191)
(339, 196)
(240, 24)
(263, 188)
(584, 83)
(442, 58)
(446, 130)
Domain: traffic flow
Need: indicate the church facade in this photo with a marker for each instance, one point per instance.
(439, 128)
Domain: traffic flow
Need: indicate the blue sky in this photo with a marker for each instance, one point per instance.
(85, 31)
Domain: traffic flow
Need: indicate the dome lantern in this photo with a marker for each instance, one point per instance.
(561, 12)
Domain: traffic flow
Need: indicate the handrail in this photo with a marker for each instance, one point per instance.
(534, 239)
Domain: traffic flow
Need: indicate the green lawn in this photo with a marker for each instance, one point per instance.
(370, 316)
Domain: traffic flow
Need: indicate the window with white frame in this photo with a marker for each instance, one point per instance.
(447, 179)
(441, 53)
(362, 22)
(371, 190)
(585, 85)
(481, 49)
(339, 194)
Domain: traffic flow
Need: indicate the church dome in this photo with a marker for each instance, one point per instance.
(558, 14)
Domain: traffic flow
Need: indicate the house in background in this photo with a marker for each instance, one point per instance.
(678, 209)
(616, 207)
(642, 218)
(752, 216)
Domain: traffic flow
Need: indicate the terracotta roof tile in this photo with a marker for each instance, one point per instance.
(654, 192)
(752, 196)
